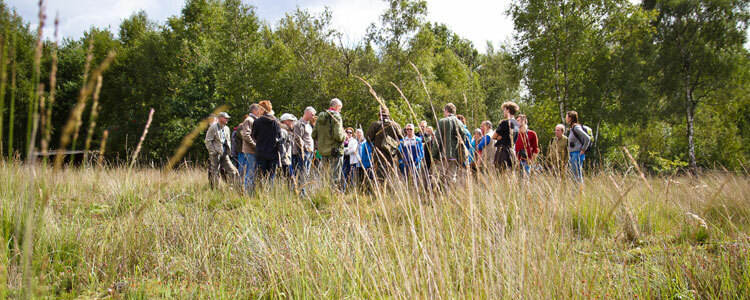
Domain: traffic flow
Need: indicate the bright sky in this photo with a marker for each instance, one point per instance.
(478, 20)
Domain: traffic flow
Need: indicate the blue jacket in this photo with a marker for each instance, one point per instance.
(365, 153)
(412, 155)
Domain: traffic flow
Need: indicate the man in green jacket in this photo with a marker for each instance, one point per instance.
(451, 136)
(329, 135)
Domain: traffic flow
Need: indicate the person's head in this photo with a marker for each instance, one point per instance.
(384, 113)
(265, 106)
(429, 130)
(571, 117)
(309, 113)
(422, 126)
(223, 118)
(486, 126)
(359, 134)
(510, 108)
(461, 118)
(255, 109)
(349, 132)
(288, 120)
(449, 109)
(409, 130)
(523, 122)
(559, 130)
(477, 134)
(336, 104)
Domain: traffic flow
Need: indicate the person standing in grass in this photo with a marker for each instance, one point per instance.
(578, 142)
(485, 146)
(385, 135)
(247, 159)
(329, 134)
(355, 161)
(347, 166)
(287, 123)
(527, 145)
(451, 137)
(218, 143)
(505, 136)
(412, 152)
(558, 150)
(304, 148)
(267, 134)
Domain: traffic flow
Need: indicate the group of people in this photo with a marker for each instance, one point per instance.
(262, 145)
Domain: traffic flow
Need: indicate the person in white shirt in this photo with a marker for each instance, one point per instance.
(352, 151)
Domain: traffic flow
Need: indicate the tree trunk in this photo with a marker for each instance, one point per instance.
(690, 105)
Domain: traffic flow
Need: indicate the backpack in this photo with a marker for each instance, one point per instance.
(236, 141)
(388, 143)
(588, 132)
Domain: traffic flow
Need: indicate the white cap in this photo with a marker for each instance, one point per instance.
(288, 117)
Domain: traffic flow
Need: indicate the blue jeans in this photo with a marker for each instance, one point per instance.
(248, 165)
(576, 165)
(526, 167)
(301, 169)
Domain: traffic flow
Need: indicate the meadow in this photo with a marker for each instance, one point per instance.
(145, 233)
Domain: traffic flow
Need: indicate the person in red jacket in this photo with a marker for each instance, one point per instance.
(527, 144)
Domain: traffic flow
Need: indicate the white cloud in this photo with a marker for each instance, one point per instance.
(476, 20)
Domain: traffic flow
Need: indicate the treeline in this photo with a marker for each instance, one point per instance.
(667, 79)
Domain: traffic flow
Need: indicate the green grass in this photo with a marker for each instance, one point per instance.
(145, 234)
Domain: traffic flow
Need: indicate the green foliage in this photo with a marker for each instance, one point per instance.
(622, 66)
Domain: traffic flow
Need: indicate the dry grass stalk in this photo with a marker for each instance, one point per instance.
(86, 70)
(75, 114)
(102, 148)
(33, 108)
(47, 136)
(92, 119)
(414, 118)
(12, 110)
(637, 168)
(432, 106)
(373, 93)
(187, 141)
(3, 80)
(143, 137)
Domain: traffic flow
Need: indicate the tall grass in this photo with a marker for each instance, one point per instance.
(152, 234)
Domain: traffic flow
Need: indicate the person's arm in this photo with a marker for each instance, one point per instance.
(351, 148)
(339, 134)
(208, 141)
(583, 137)
(314, 134)
(534, 145)
(246, 132)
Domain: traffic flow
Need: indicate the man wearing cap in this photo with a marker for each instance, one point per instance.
(218, 142)
(329, 133)
(304, 147)
(287, 143)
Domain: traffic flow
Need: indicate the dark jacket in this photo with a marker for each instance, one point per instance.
(377, 133)
(267, 133)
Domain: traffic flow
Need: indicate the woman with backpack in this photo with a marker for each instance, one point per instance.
(578, 142)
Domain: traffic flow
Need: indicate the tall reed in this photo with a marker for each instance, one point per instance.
(75, 114)
(92, 119)
(143, 138)
(86, 70)
(47, 135)
(12, 111)
(187, 141)
(4, 45)
(33, 100)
